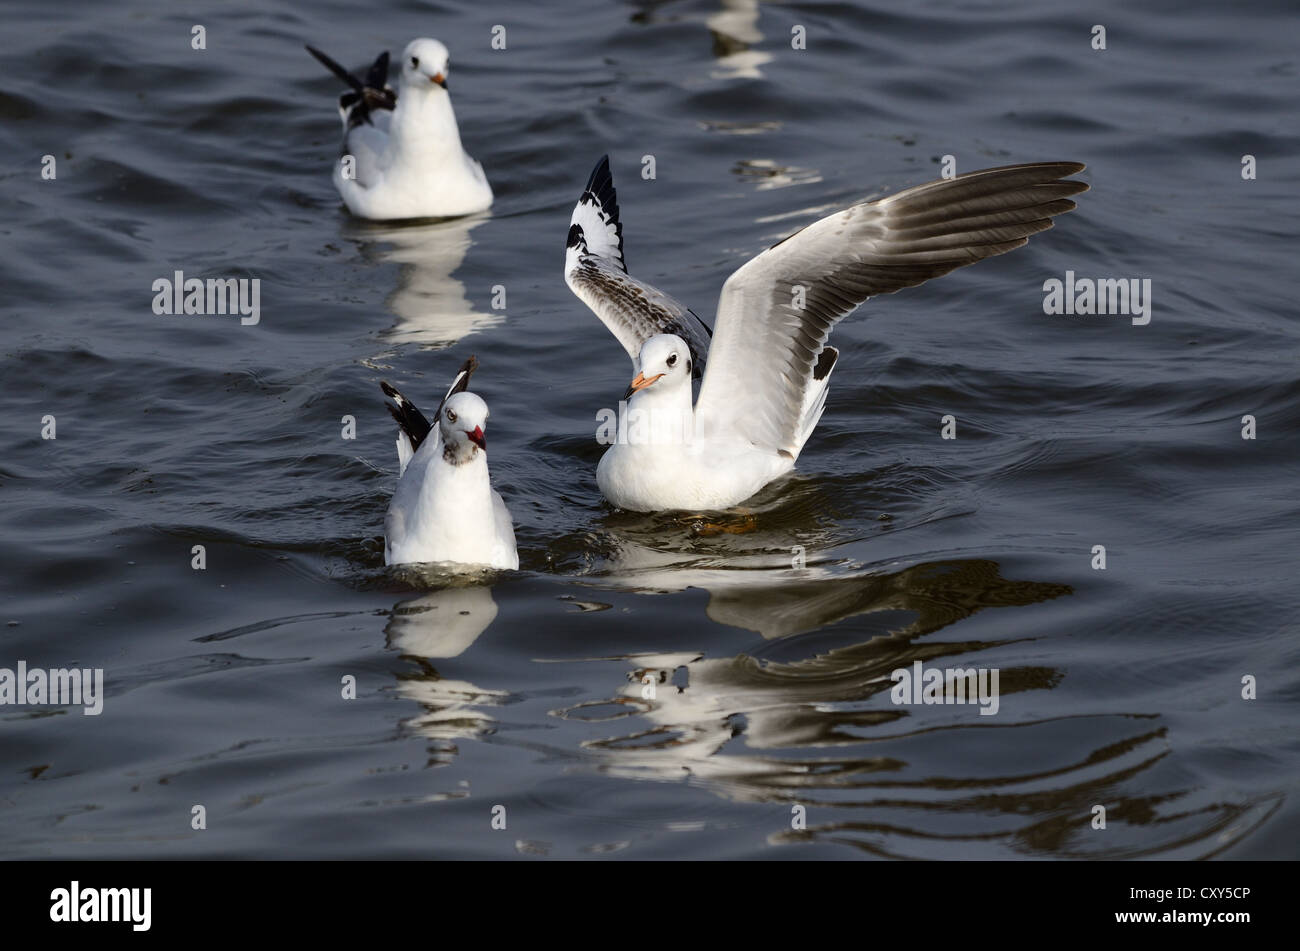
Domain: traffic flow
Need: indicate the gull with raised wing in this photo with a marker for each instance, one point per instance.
(401, 155)
(445, 509)
(768, 365)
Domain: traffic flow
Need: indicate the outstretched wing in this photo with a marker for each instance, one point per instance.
(595, 271)
(365, 97)
(414, 426)
(776, 311)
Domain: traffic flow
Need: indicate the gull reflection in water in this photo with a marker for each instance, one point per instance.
(735, 30)
(808, 722)
(772, 591)
(440, 625)
(431, 306)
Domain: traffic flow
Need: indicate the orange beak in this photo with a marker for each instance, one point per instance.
(440, 79)
(640, 382)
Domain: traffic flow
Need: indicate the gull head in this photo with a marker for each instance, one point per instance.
(663, 363)
(424, 64)
(461, 421)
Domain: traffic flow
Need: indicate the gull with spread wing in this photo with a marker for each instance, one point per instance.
(766, 370)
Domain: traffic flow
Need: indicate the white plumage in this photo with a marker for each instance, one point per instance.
(444, 509)
(402, 155)
(765, 384)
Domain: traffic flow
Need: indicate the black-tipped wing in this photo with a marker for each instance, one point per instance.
(377, 77)
(365, 97)
(408, 416)
(596, 217)
(336, 69)
(776, 312)
(595, 271)
(461, 381)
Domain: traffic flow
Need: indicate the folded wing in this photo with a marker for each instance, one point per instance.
(365, 98)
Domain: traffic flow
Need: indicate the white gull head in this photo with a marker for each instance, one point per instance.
(462, 422)
(663, 367)
(424, 65)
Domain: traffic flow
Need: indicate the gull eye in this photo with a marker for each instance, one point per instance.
(451, 417)
(672, 359)
(415, 62)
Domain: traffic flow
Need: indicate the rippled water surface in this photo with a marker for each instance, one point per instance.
(1119, 687)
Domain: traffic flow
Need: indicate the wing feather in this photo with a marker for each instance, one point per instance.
(766, 346)
(365, 97)
(596, 272)
(413, 427)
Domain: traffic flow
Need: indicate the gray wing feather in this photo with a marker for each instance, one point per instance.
(633, 310)
(766, 346)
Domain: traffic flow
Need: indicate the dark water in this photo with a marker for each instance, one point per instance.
(1119, 687)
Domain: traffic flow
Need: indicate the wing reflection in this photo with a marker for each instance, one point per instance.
(821, 699)
(809, 721)
(735, 30)
(803, 723)
(760, 589)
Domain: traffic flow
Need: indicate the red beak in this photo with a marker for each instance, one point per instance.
(477, 437)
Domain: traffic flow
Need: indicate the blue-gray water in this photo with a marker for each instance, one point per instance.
(1120, 687)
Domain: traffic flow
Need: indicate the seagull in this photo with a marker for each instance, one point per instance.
(764, 387)
(444, 508)
(407, 158)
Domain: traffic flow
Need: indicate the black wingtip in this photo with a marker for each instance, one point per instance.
(600, 192)
(599, 173)
(408, 416)
(377, 78)
(825, 363)
(461, 382)
(336, 69)
(576, 239)
(600, 186)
